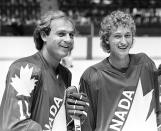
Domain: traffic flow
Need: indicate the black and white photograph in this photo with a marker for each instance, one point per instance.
(80, 65)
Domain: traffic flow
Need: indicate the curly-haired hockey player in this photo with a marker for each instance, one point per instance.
(123, 88)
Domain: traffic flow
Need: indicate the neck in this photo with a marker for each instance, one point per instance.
(119, 62)
(52, 61)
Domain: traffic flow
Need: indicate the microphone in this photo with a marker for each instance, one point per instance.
(77, 123)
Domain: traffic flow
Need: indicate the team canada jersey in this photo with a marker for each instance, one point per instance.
(121, 101)
(34, 96)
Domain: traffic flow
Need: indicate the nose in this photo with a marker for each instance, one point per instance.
(68, 38)
(123, 40)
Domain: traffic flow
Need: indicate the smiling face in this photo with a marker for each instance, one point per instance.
(120, 41)
(60, 39)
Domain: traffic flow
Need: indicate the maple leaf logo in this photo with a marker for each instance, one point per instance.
(24, 84)
(139, 116)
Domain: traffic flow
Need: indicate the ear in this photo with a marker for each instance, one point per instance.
(107, 42)
(43, 36)
(107, 46)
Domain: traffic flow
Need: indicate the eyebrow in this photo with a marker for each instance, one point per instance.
(65, 31)
(121, 33)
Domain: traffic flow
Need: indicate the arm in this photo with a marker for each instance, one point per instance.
(15, 110)
(77, 106)
(154, 72)
(157, 93)
(158, 78)
(88, 124)
(158, 108)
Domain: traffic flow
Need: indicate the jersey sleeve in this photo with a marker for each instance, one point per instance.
(154, 73)
(15, 110)
(158, 94)
(89, 85)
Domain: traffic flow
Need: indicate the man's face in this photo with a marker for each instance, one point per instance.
(60, 39)
(120, 40)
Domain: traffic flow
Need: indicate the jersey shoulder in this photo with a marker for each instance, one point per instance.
(31, 64)
(92, 73)
(140, 58)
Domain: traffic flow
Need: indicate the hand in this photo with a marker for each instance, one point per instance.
(77, 104)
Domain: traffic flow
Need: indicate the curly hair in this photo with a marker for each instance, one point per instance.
(114, 20)
(44, 26)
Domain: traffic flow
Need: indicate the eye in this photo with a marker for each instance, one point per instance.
(128, 35)
(117, 36)
(61, 34)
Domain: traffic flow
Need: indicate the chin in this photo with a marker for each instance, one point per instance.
(124, 53)
(64, 55)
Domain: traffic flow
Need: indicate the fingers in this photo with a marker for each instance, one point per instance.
(75, 107)
(78, 96)
(77, 102)
(77, 112)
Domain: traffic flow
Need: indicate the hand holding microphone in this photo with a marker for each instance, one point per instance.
(76, 103)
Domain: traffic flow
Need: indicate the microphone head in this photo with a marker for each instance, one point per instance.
(71, 89)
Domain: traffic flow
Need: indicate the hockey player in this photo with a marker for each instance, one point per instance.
(34, 97)
(123, 88)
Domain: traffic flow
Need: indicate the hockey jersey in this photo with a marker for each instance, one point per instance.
(122, 101)
(34, 95)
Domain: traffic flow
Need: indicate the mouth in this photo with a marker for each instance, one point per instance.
(64, 46)
(122, 47)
